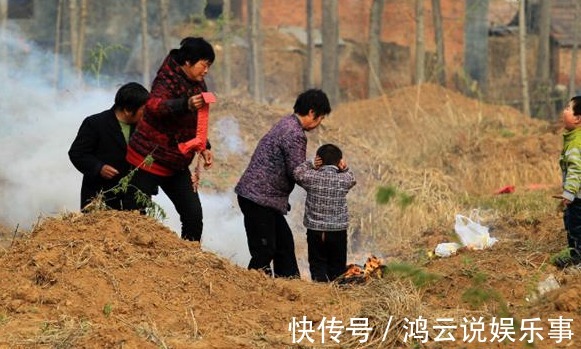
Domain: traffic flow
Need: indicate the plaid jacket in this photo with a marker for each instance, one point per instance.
(327, 188)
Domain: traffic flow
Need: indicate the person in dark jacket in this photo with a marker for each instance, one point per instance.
(170, 118)
(265, 186)
(100, 147)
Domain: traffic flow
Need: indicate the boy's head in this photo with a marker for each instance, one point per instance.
(572, 113)
(330, 154)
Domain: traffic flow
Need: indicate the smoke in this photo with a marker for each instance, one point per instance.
(39, 123)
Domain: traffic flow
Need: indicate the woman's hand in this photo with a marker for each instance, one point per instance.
(208, 158)
(195, 102)
(342, 165)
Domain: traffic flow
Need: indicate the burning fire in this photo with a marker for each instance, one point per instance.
(357, 274)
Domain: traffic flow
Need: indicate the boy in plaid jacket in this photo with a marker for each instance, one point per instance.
(326, 218)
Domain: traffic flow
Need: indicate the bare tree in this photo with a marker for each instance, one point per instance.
(439, 39)
(374, 50)
(309, 81)
(164, 12)
(226, 31)
(57, 41)
(476, 43)
(144, 44)
(573, 71)
(420, 50)
(81, 44)
(522, 30)
(330, 59)
(543, 78)
(73, 30)
(3, 20)
(255, 54)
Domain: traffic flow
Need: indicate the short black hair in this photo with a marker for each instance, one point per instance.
(194, 49)
(314, 99)
(131, 97)
(576, 105)
(330, 154)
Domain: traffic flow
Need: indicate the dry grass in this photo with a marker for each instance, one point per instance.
(436, 147)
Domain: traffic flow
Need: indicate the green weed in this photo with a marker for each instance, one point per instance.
(419, 277)
(385, 194)
(107, 309)
(152, 208)
(99, 55)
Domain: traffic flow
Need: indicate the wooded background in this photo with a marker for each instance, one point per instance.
(351, 49)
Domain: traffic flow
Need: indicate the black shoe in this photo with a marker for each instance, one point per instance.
(566, 261)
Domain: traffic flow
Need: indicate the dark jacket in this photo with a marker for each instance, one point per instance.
(167, 120)
(99, 142)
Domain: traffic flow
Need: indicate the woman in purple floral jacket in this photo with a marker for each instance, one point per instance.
(265, 186)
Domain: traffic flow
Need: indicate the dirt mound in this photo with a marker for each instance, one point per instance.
(116, 279)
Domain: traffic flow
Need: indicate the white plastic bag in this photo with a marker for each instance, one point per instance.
(446, 249)
(472, 234)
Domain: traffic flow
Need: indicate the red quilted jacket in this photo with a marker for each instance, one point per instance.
(167, 120)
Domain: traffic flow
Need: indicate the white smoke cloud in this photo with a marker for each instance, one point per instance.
(38, 124)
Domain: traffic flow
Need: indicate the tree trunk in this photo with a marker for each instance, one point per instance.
(73, 30)
(309, 81)
(522, 30)
(573, 71)
(374, 54)
(227, 11)
(145, 45)
(81, 44)
(420, 50)
(3, 20)
(476, 44)
(330, 59)
(543, 78)
(164, 12)
(57, 42)
(255, 54)
(439, 39)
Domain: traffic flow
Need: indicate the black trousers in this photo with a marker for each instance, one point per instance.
(270, 240)
(572, 220)
(327, 254)
(180, 191)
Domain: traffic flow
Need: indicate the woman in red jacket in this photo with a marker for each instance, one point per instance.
(171, 117)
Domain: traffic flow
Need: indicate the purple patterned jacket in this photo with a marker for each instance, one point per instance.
(268, 180)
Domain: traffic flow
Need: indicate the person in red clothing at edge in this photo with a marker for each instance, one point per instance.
(171, 117)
